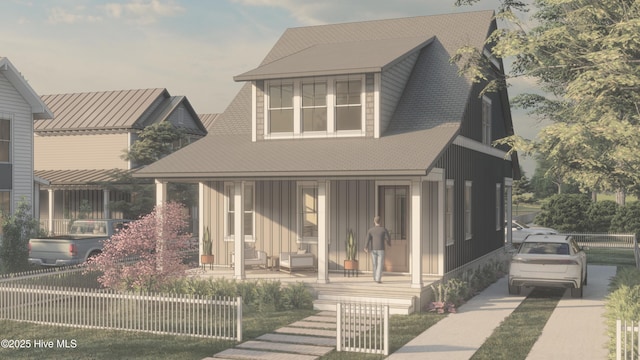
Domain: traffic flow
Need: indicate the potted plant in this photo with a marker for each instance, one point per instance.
(351, 246)
(207, 248)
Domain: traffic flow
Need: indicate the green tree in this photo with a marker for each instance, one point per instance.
(17, 229)
(585, 56)
(565, 212)
(155, 142)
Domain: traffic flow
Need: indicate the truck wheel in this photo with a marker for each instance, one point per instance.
(93, 254)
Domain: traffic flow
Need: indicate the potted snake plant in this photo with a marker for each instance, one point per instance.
(207, 248)
(351, 247)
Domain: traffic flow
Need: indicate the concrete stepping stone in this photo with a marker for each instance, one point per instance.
(299, 339)
(305, 331)
(314, 324)
(321, 319)
(242, 354)
(286, 347)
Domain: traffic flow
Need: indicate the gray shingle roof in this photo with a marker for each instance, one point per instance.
(425, 122)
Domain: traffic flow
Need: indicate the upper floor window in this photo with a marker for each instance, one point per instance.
(5, 140)
(317, 107)
(486, 120)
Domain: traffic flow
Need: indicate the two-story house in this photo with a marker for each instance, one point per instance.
(20, 106)
(79, 149)
(340, 123)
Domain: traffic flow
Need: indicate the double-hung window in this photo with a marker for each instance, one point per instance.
(307, 212)
(314, 107)
(231, 209)
(486, 120)
(448, 213)
(281, 107)
(5, 140)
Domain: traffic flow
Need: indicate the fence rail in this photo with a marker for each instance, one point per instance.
(609, 241)
(362, 328)
(627, 340)
(104, 309)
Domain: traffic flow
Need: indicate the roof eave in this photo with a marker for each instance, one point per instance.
(254, 77)
(280, 174)
(38, 107)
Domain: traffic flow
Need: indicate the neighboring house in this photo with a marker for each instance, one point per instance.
(343, 122)
(77, 151)
(208, 119)
(20, 106)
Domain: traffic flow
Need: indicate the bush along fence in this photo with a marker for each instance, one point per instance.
(627, 340)
(362, 328)
(197, 316)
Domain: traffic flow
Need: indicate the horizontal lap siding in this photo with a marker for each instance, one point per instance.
(14, 107)
(72, 152)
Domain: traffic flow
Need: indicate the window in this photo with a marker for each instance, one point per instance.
(314, 106)
(5, 140)
(348, 105)
(280, 108)
(467, 211)
(448, 213)
(318, 107)
(308, 212)
(231, 208)
(498, 206)
(486, 120)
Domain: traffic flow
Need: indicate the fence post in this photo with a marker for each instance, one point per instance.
(385, 324)
(239, 300)
(338, 326)
(618, 340)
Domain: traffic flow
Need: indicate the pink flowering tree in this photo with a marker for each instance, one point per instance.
(155, 242)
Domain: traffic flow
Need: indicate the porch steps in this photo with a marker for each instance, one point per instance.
(401, 300)
(307, 339)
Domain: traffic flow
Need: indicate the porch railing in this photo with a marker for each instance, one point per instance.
(362, 327)
(219, 318)
(59, 226)
(627, 340)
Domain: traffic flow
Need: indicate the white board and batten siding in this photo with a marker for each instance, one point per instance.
(15, 108)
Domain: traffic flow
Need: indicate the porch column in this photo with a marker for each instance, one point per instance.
(201, 186)
(161, 192)
(105, 204)
(508, 187)
(51, 207)
(238, 227)
(416, 234)
(323, 231)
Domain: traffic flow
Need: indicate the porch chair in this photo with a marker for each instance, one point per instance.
(301, 259)
(252, 257)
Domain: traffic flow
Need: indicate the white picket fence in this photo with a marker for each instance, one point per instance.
(362, 328)
(627, 340)
(173, 314)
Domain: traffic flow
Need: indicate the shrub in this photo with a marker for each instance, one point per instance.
(565, 213)
(627, 219)
(600, 215)
(296, 296)
(268, 296)
(17, 228)
(622, 304)
(629, 276)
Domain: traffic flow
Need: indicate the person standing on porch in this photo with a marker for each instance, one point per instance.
(376, 238)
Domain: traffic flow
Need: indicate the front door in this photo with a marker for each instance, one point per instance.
(393, 203)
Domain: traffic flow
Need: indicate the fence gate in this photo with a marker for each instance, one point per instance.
(362, 328)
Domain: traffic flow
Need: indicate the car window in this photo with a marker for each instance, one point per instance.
(544, 248)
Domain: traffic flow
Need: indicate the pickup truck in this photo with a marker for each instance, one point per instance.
(85, 239)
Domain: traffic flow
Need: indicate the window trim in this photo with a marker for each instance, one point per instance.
(449, 215)
(468, 210)
(300, 239)
(486, 120)
(298, 131)
(9, 141)
(498, 206)
(231, 237)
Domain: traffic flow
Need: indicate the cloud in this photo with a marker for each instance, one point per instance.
(58, 15)
(143, 11)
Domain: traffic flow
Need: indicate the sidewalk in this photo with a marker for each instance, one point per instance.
(574, 331)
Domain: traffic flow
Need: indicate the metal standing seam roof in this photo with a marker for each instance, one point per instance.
(208, 119)
(426, 120)
(63, 178)
(98, 110)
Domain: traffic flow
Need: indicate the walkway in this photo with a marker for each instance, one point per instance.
(576, 329)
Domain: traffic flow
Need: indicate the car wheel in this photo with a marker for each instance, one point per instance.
(576, 292)
(586, 275)
(514, 290)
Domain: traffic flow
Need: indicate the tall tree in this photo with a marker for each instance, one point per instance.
(585, 55)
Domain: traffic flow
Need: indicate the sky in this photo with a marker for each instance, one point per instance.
(190, 47)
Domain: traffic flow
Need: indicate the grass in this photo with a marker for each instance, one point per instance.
(515, 337)
(113, 344)
(620, 257)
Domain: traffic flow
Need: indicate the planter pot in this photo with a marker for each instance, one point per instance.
(351, 264)
(206, 259)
